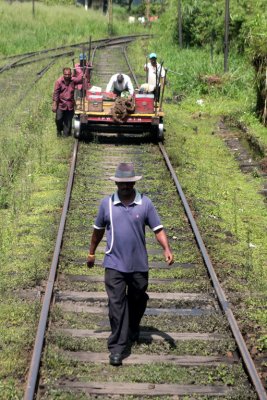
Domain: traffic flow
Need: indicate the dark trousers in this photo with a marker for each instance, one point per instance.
(117, 92)
(64, 121)
(157, 93)
(127, 300)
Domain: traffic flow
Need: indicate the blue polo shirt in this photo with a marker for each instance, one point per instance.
(125, 231)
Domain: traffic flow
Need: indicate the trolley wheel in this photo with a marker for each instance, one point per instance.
(160, 133)
(76, 127)
(157, 133)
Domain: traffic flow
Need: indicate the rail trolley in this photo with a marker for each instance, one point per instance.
(94, 114)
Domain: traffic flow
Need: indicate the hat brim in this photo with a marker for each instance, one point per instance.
(130, 179)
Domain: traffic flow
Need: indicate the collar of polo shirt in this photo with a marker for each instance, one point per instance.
(137, 199)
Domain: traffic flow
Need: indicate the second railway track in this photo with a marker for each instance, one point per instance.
(186, 348)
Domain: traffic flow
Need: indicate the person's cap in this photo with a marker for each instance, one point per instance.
(120, 78)
(125, 173)
(82, 56)
(152, 55)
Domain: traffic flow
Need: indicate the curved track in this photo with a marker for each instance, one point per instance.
(190, 344)
(20, 73)
(19, 60)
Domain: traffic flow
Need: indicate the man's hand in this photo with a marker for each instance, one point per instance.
(169, 257)
(90, 260)
(162, 239)
(54, 107)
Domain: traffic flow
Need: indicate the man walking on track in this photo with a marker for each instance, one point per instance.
(63, 101)
(123, 216)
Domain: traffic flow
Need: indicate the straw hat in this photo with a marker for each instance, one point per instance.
(125, 173)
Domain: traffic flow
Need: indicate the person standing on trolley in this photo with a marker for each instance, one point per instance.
(82, 70)
(155, 75)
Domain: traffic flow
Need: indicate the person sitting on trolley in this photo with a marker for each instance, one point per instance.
(119, 83)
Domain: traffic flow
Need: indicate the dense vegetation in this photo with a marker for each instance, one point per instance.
(203, 26)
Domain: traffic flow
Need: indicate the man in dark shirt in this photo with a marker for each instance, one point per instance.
(63, 101)
(124, 216)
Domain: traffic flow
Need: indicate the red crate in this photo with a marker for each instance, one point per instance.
(106, 95)
(144, 103)
(89, 94)
(95, 103)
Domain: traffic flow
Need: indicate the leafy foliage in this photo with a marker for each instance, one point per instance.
(156, 7)
(203, 26)
(203, 22)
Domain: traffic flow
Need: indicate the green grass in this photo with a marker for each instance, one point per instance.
(157, 373)
(226, 202)
(53, 26)
(234, 97)
(37, 168)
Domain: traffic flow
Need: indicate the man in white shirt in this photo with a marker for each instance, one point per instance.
(119, 83)
(155, 74)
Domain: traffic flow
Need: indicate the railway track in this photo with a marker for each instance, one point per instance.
(190, 345)
(35, 56)
(20, 73)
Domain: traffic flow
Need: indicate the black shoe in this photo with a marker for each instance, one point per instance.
(115, 359)
(59, 133)
(134, 336)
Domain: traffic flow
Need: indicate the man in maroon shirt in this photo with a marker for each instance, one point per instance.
(63, 101)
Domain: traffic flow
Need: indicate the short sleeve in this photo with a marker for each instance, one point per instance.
(153, 219)
(100, 221)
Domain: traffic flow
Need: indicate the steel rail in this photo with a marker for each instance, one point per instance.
(33, 53)
(39, 75)
(92, 59)
(38, 52)
(129, 65)
(248, 362)
(102, 43)
(115, 43)
(18, 64)
(40, 336)
(8, 66)
(106, 45)
(44, 70)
